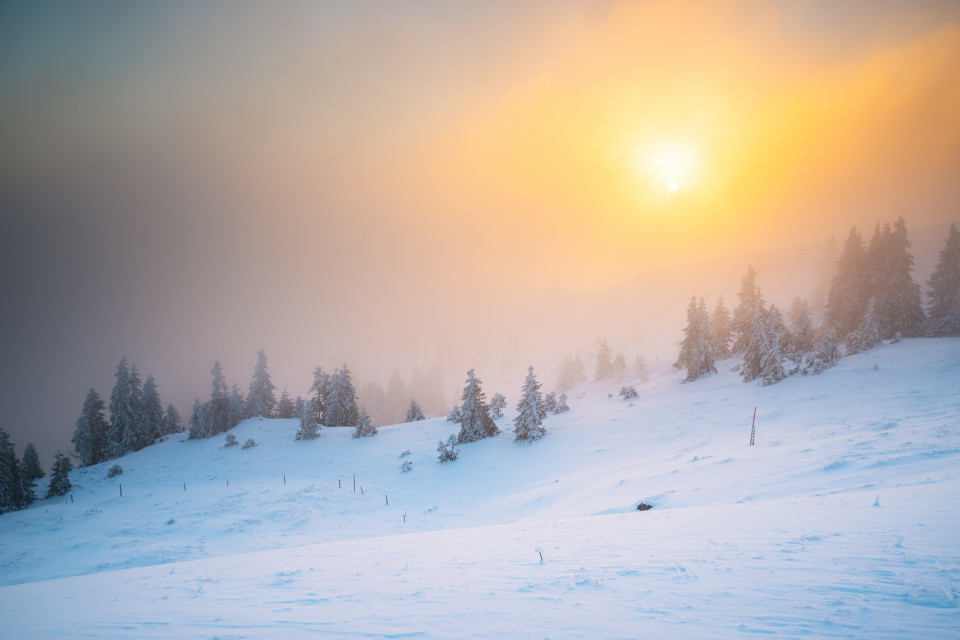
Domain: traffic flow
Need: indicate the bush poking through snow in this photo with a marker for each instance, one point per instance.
(406, 466)
(114, 471)
(643, 506)
(231, 441)
(249, 444)
(628, 393)
(448, 451)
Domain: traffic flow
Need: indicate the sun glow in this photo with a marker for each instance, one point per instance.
(672, 164)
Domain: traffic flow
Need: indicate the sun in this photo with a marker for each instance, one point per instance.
(670, 163)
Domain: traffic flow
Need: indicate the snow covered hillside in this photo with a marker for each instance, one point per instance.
(841, 522)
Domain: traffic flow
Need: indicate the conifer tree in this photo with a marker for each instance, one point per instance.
(285, 408)
(30, 464)
(134, 437)
(697, 348)
(364, 428)
(201, 421)
(742, 324)
(771, 360)
(235, 408)
(60, 476)
(944, 289)
(13, 489)
(396, 396)
(720, 330)
(475, 420)
(847, 298)
(640, 369)
(531, 410)
(171, 421)
(497, 404)
(823, 356)
(414, 412)
(90, 436)
(260, 399)
(800, 337)
(217, 411)
(562, 403)
(152, 412)
(619, 367)
(340, 408)
(121, 413)
(898, 306)
(455, 415)
(867, 335)
(309, 429)
(604, 368)
(319, 389)
(751, 367)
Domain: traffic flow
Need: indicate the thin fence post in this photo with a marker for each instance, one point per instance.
(71, 498)
(184, 486)
(361, 490)
(753, 426)
(387, 498)
(354, 483)
(121, 490)
(284, 478)
(339, 486)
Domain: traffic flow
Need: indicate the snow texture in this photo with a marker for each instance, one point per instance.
(840, 523)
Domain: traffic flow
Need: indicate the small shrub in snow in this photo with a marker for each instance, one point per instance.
(497, 404)
(405, 454)
(455, 415)
(824, 356)
(550, 402)
(448, 451)
(406, 466)
(562, 404)
(643, 506)
(231, 441)
(249, 444)
(628, 393)
(114, 471)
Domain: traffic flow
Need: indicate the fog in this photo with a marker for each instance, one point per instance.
(421, 185)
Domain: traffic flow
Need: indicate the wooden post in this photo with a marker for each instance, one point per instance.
(354, 483)
(121, 490)
(753, 427)
(71, 498)
(361, 490)
(184, 486)
(404, 516)
(339, 486)
(228, 482)
(284, 478)
(387, 498)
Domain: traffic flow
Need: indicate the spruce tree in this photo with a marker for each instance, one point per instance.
(619, 366)
(152, 412)
(497, 404)
(562, 405)
(13, 494)
(531, 410)
(134, 437)
(340, 408)
(218, 409)
(849, 289)
(697, 347)
(944, 289)
(720, 330)
(867, 335)
(319, 389)
(751, 367)
(201, 421)
(771, 360)
(30, 464)
(742, 323)
(800, 340)
(572, 373)
(396, 396)
(309, 429)
(90, 436)
(414, 412)
(285, 408)
(122, 418)
(550, 402)
(898, 306)
(475, 420)
(235, 408)
(60, 476)
(604, 368)
(364, 428)
(260, 399)
(171, 421)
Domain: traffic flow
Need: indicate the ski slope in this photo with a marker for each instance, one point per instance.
(841, 522)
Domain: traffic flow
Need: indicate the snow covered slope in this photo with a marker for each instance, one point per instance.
(841, 522)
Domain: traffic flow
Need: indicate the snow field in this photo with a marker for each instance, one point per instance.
(840, 523)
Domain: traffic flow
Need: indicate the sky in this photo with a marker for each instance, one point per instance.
(400, 185)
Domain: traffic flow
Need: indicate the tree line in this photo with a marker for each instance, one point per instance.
(872, 298)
